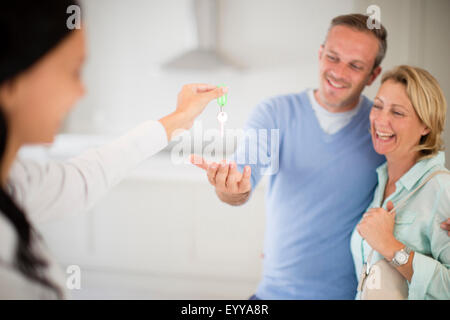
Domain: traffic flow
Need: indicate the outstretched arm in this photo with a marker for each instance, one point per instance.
(61, 188)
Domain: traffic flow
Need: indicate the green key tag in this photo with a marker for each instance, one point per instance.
(222, 101)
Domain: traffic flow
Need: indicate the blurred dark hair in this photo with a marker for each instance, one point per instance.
(28, 30)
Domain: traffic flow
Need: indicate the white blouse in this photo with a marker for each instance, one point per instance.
(61, 188)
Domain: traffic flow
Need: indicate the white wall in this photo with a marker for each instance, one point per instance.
(277, 42)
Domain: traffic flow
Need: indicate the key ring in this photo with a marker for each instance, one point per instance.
(222, 117)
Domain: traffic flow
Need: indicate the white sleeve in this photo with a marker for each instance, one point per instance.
(60, 188)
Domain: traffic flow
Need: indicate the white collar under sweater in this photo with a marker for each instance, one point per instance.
(332, 122)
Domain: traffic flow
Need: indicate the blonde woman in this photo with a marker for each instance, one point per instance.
(407, 120)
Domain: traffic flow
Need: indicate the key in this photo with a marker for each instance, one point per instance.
(222, 117)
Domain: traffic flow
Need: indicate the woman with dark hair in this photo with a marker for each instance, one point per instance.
(40, 63)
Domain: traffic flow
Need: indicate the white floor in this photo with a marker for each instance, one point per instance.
(97, 284)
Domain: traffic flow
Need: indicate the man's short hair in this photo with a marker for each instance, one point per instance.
(358, 22)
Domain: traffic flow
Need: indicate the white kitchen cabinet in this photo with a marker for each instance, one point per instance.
(171, 228)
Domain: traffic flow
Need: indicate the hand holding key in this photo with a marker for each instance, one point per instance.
(192, 100)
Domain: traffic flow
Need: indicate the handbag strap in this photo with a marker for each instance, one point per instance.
(402, 202)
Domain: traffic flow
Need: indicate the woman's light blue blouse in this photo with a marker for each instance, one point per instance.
(417, 225)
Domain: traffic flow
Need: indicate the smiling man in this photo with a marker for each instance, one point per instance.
(326, 169)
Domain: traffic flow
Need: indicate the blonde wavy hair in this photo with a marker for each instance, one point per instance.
(428, 101)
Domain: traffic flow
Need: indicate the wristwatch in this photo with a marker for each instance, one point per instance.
(401, 257)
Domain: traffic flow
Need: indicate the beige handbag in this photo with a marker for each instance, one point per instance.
(382, 281)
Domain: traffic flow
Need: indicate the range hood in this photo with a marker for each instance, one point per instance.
(206, 55)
